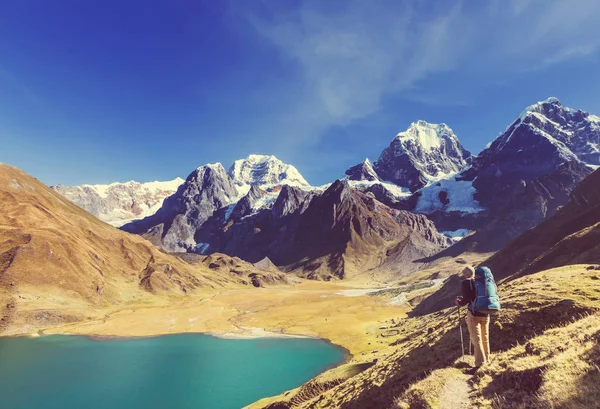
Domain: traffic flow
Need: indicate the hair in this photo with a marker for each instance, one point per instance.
(468, 271)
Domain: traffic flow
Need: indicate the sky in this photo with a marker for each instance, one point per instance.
(116, 90)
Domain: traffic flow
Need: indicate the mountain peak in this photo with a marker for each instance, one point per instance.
(427, 135)
(265, 170)
(571, 134)
(218, 166)
(425, 152)
(362, 171)
(545, 107)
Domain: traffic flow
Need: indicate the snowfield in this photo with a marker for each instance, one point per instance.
(460, 194)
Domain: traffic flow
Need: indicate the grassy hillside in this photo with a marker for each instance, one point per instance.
(549, 327)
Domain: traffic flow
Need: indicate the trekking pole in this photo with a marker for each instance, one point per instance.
(462, 346)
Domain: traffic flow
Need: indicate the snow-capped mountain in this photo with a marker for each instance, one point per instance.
(334, 233)
(265, 170)
(545, 135)
(521, 177)
(250, 185)
(363, 172)
(120, 203)
(422, 154)
(264, 207)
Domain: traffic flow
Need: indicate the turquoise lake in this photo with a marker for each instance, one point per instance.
(170, 372)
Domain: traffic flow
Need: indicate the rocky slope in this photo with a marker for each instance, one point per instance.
(363, 172)
(249, 185)
(174, 226)
(571, 236)
(529, 171)
(337, 233)
(57, 260)
(568, 237)
(120, 203)
(520, 179)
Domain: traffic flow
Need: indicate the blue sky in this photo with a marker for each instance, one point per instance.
(96, 92)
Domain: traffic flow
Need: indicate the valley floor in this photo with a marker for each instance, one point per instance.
(548, 330)
(314, 309)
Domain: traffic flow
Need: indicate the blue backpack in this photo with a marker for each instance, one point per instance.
(487, 300)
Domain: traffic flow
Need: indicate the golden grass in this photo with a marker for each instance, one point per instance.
(441, 389)
(546, 332)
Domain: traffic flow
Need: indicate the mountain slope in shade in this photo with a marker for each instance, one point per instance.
(338, 233)
(362, 172)
(546, 128)
(423, 153)
(571, 236)
(175, 224)
(56, 260)
(120, 203)
(529, 171)
(521, 178)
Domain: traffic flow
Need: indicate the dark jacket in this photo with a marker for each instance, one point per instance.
(468, 296)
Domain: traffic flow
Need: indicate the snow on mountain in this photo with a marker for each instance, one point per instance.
(422, 154)
(210, 193)
(572, 134)
(265, 170)
(544, 137)
(362, 172)
(119, 203)
(396, 191)
(457, 235)
(449, 195)
(258, 180)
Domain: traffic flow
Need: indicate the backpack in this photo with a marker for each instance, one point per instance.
(486, 299)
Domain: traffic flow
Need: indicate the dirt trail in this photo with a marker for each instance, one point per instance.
(455, 394)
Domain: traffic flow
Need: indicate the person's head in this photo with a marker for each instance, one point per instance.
(468, 272)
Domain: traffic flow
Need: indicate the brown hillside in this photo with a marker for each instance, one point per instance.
(55, 256)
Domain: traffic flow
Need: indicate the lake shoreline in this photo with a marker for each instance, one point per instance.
(200, 354)
(254, 333)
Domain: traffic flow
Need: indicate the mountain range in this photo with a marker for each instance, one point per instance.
(119, 203)
(223, 234)
(382, 213)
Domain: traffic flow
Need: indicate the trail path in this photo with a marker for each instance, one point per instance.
(455, 394)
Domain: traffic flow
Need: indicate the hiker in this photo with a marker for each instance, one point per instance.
(478, 322)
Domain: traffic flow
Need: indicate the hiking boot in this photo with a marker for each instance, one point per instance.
(472, 371)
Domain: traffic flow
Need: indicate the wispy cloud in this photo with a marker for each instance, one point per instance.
(355, 53)
(352, 55)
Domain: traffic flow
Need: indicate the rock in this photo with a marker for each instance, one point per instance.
(594, 267)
